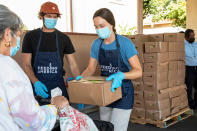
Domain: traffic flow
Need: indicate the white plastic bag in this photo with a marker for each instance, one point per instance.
(71, 119)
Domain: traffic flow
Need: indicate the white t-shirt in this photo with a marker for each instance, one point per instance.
(19, 111)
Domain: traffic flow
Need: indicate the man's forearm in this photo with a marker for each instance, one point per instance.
(29, 71)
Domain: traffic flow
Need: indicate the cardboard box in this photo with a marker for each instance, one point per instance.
(138, 113)
(156, 67)
(176, 101)
(141, 58)
(155, 86)
(156, 38)
(157, 114)
(173, 37)
(156, 47)
(176, 46)
(139, 95)
(138, 80)
(93, 91)
(138, 104)
(139, 47)
(138, 86)
(181, 65)
(155, 77)
(172, 78)
(175, 109)
(176, 65)
(184, 100)
(176, 56)
(152, 96)
(157, 104)
(176, 91)
(180, 77)
(155, 57)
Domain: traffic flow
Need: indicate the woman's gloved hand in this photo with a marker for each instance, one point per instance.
(117, 80)
(79, 77)
(40, 89)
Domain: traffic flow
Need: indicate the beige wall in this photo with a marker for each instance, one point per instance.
(192, 15)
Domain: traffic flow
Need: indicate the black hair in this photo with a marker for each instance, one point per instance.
(107, 15)
(187, 32)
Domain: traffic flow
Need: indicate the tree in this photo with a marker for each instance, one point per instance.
(174, 10)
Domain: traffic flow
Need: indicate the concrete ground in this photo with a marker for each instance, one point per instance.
(189, 124)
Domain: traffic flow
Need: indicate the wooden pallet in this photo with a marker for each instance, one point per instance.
(181, 115)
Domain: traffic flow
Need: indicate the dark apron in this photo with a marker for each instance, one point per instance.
(48, 68)
(111, 62)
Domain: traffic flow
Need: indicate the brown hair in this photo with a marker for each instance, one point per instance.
(107, 15)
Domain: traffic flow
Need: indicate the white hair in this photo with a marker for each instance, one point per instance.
(9, 19)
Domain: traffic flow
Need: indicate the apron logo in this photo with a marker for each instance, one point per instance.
(47, 69)
(109, 68)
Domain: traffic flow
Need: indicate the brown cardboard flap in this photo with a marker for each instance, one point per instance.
(155, 57)
(156, 47)
(155, 86)
(154, 95)
(157, 114)
(138, 103)
(176, 101)
(157, 104)
(173, 37)
(155, 77)
(156, 67)
(138, 113)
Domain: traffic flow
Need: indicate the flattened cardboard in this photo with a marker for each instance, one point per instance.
(139, 95)
(155, 86)
(156, 38)
(173, 65)
(173, 37)
(156, 67)
(152, 96)
(157, 114)
(156, 47)
(157, 104)
(93, 91)
(155, 57)
(138, 104)
(138, 113)
(138, 86)
(155, 77)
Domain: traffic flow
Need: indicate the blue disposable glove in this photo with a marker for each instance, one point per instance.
(117, 80)
(80, 106)
(79, 77)
(69, 79)
(40, 89)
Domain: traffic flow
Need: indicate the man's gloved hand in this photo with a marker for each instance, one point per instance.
(69, 79)
(40, 89)
(117, 80)
(79, 78)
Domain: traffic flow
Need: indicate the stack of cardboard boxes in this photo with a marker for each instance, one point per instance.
(161, 91)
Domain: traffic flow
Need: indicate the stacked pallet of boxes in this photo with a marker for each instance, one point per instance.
(162, 89)
(155, 78)
(139, 109)
(176, 74)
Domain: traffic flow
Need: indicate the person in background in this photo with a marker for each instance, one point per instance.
(19, 111)
(118, 61)
(191, 66)
(43, 52)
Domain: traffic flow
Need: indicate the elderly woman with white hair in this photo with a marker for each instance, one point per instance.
(18, 108)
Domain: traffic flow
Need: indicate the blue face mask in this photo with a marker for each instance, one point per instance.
(14, 50)
(103, 33)
(50, 23)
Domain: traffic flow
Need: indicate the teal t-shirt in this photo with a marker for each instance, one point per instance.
(127, 48)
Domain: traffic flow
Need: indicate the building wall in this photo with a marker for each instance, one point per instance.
(191, 15)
